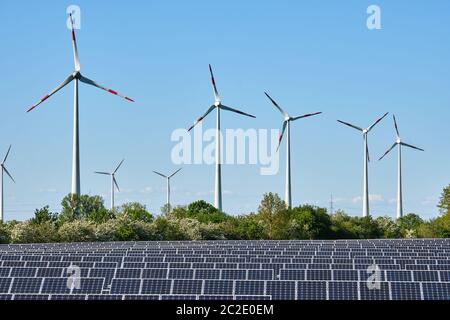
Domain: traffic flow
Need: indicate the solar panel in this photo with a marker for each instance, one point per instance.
(123, 286)
(376, 291)
(233, 274)
(281, 290)
(187, 287)
(181, 273)
(343, 290)
(249, 288)
(156, 286)
(218, 287)
(405, 291)
(311, 290)
(436, 291)
(318, 275)
(26, 285)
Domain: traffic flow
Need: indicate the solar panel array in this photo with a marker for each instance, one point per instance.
(228, 270)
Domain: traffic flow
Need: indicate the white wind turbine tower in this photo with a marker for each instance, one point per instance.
(113, 182)
(168, 185)
(219, 106)
(287, 125)
(366, 161)
(76, 76)
(3, 169)
(398, 142)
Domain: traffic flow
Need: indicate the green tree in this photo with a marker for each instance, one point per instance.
(136, 211)
(205, 212)
(409, 225)
(5, 233)
(444, 201)
(81, 207)
(388, 228)
(44, 215)
(270, 209)
(306, 222)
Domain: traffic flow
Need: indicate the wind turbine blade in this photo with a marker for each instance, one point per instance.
(65, 82)
(118, 166)
(216, 93)
(162, 175)
(395, 125)
(276, 105)
(237, 111)
(350, 125)
(281, 135)
(202, 117)
(388, 150)
(376, 122)
(174, 173)
(74, 44)
(411, 146)
(7, 153)
(115, 182)
(306, 115)
(100, 172)
(9, 175)
(95, 84)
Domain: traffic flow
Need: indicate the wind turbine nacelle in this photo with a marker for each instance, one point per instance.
(217, 103)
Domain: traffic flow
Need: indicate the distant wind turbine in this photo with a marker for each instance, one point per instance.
(76, 76)
(168, 185)
(113, 182)
(219, 106)
(398, 142)
(366, 161)
(287, 125)
(3, 169)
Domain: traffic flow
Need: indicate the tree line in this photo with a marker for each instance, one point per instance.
(85, 218)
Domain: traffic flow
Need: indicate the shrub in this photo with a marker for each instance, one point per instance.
(27, 232)
(77, 231)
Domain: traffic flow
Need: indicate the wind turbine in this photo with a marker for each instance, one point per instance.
(3, 169)
(287, 125)
(76, 76)
(113, 182)
(398, 142)
(219, 106)
(365, 133)
(168, 184)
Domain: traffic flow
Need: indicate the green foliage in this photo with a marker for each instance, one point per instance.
(44, 215)
(86, 219)
(444, 201)
(82, 207)
(409, 225)
(204, 212)
(269, 211)
(27, 232)
(136, 211)
(77, 231)
(304, 222)
(5, 233)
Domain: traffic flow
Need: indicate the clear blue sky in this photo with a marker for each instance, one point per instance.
(310, 55)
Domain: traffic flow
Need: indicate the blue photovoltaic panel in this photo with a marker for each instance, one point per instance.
(374, 290)
(218, 287)
(156, 286)
(125, 286)
(405, 291)
(249, 288)
(281, 290)
(436, 291)
(26, 285)
(311, 290)
(343, 290)
(187, 287)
